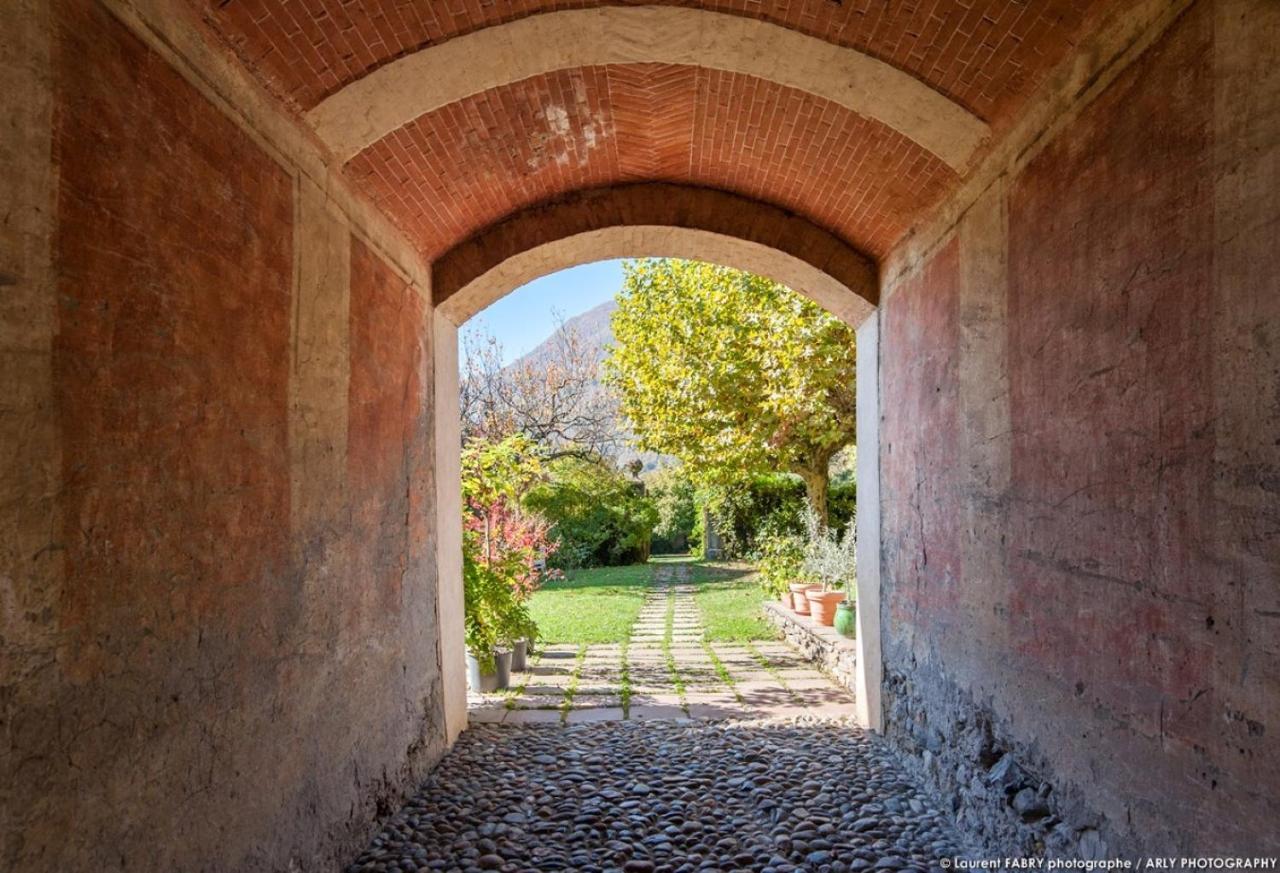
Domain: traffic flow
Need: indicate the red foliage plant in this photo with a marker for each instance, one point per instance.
(512, 538)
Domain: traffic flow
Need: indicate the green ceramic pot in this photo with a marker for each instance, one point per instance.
(846, 619)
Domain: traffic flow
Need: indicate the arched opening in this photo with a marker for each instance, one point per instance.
(661, 221)
(655, 220)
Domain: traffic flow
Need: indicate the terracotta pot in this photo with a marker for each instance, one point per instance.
(799, 602)
(822, 606)
(785, 597)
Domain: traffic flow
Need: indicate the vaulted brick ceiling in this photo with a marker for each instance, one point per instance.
(457, 169)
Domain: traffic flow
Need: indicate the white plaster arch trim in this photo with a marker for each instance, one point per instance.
(656, 241)
(390, 97)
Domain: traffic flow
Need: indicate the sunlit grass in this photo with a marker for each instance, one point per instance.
(729, 599)
(591, 606)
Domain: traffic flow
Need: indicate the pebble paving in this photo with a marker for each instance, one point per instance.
(665, 754)
(665, 796)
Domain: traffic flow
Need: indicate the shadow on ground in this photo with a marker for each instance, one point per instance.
(668, 797)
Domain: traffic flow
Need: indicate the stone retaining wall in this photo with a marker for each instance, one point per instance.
(834, 654)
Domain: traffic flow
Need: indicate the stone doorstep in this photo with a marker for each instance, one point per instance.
(534, 716)
(717, 712)
(664, 713)
(541, 701)
(581, 716)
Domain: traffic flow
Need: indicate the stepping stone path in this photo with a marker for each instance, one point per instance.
(666, 755)
(666, 670)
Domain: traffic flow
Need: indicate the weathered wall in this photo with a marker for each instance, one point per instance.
(1080, 469)
(218, 626)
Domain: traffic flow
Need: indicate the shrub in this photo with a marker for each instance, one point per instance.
(597, 515)
(744, 511)
(504, 546)
(673, 496)
(781, 559)
(829, 558)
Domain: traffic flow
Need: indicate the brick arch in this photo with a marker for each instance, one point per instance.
(654, 220)
(986, 55)
(364, 111)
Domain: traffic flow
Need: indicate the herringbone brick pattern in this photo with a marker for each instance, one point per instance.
(455, 171)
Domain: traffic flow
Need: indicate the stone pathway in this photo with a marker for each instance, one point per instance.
(665, 670)
(705, 758)
(771, 796)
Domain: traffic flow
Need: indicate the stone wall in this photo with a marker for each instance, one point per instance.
(218, 598)
(833, 654)
(1080, 367)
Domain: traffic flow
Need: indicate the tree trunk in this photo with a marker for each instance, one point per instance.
(816, 487)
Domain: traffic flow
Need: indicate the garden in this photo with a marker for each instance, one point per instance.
(747, 493)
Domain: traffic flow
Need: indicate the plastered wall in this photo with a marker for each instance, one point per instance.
(1079, 464)
(218, 589)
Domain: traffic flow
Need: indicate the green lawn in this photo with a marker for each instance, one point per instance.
(600, 605)
(729, 597)
(591, 606)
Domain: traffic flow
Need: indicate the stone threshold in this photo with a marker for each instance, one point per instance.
(835, 655)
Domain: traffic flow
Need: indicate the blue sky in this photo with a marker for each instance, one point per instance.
(527, 315)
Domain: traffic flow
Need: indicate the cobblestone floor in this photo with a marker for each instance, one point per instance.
(691, 796)
(665, 671)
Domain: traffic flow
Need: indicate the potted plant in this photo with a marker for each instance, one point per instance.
(780, 559)
(829, 559)
(520, 631)
(846, 619)
(487, 599)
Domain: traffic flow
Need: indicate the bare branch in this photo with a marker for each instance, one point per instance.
(554, 395)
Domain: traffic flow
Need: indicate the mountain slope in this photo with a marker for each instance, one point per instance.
(593, 327)
(595, 331)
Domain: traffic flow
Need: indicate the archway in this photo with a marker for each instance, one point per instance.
(655, 221)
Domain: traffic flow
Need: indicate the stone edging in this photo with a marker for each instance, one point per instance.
(835, 655)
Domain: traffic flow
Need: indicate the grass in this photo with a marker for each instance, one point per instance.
(728, 596)
(722, 671)
(591, 606)
(600, 605)
(624, 691)
(768, 666)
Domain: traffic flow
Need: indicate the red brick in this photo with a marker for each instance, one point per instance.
(455, 171)
(924, 39)
(652, 204)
